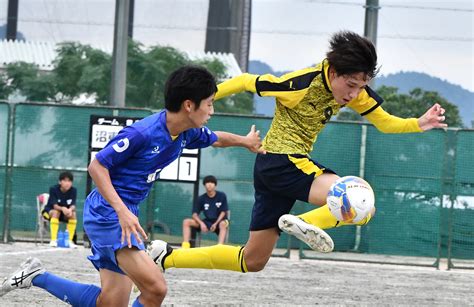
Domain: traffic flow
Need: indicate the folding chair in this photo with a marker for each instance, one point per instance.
(42, 224)
(228, 227)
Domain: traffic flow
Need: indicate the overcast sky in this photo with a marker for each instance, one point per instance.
(286, 34)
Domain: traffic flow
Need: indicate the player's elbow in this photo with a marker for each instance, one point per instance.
(92, 166)
(95, 168)
(217, 144)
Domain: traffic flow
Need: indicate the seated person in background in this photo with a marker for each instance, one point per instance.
(62, 207)
(214, 205)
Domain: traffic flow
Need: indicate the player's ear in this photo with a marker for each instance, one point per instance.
(188, 105)
(332, 72)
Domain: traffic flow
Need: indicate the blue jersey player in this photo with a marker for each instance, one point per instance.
(124, 172)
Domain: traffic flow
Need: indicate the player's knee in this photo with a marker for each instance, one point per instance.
(155, 292)
(255, 265)
(186, 223)
(54, 213)
(222, 225)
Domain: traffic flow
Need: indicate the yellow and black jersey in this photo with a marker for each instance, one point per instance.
(305, 103)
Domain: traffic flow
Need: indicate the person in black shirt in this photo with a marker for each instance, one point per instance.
(62, 207)
(213, 204)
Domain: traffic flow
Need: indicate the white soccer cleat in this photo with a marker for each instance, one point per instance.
(72, 245)
(22, 278)
(53, 243)
(158, 250)
(314, 237)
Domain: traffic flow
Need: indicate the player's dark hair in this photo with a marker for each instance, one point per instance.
(209, 178)
(351, 53)
(66, 175)
(188, 82)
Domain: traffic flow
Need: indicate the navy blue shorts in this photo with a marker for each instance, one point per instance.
(45, 214)
(209, 224)
(280, 180)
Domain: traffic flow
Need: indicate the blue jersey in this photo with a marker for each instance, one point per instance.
(138, 153)
(211, 206)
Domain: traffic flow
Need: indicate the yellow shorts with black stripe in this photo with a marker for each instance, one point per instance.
(280, 180)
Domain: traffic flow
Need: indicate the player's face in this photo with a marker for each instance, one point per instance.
(201, 115)
(347, 87)
(210, 187)
(65, 184)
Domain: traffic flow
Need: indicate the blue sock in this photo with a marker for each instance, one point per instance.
(137, 303)
(74, 293)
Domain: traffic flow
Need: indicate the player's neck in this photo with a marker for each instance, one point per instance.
(176, 123)
(63, 190)
(211, 194)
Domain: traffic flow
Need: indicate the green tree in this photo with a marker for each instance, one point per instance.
(147, 71)
(28, 81)
(5, 90)
(413, 104)
(348, 114)
(241, 103)
(82, 69)
(89, 71)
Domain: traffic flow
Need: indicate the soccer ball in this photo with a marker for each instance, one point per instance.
(350, 199)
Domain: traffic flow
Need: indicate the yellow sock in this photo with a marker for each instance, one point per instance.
(220, 257)
(54, 227)
(323, 218)
(71, 228)
(320, 217)
(186, 245)
(365, 221)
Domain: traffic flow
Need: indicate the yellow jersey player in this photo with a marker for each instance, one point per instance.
(305, 101)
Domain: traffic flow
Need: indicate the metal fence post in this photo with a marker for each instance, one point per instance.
(8, 173)
(363, 150)
(451, 182)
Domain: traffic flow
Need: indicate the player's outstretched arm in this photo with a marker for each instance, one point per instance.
(433, 118)
(242, 83)
(388, 123)
(128, 221)
(251, 141)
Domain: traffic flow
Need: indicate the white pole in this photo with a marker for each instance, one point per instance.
(363, 148)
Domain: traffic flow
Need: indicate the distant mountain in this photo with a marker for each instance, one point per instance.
(404, 81)
(3, 33)
(261, 68)
(263, 105)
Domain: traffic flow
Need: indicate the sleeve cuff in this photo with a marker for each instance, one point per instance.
(103, 161)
